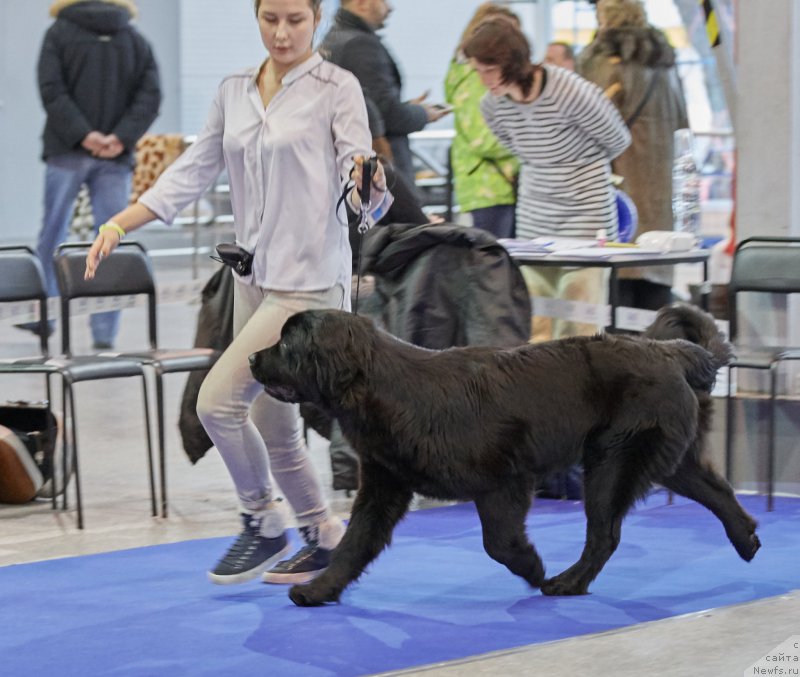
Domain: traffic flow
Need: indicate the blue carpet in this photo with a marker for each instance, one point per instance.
(433, 596)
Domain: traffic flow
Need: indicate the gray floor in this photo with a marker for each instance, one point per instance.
(715, 642)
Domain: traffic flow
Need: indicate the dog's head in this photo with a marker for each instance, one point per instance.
(321, 357)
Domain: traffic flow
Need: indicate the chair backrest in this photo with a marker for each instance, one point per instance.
(126, 272)
(763, 264)
(22, 279)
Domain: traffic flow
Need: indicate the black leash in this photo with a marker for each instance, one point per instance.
(367, 171)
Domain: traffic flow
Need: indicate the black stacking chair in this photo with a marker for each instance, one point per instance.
(22, 279)
(771, 265)
(126, 272)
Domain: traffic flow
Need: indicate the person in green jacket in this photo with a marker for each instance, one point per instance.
(484, 171)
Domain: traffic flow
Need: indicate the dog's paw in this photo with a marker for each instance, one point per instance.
(312, 595)
(561, 587)
(749, 549)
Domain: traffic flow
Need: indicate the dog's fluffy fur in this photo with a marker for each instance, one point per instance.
(480, 424)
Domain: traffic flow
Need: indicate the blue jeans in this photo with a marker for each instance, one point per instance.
(499, 220)
(109, 186)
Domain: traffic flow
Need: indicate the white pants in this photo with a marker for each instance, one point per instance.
(255, 433)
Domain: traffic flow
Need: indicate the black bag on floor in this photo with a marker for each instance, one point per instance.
(36, 427)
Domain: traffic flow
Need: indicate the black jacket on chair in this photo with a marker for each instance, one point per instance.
(439, 286)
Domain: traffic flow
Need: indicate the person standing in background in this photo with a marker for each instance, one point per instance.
(353, 44)
(565, 133)
(560, 54)
(99, 85)
(635, 65)
(484, 171)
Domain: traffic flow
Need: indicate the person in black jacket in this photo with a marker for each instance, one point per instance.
(353, 44)
(99, 85)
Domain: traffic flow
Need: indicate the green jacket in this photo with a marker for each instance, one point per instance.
(484, 170)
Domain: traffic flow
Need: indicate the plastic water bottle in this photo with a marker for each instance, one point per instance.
(685, 185)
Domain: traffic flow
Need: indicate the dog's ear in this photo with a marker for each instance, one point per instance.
(341, 357)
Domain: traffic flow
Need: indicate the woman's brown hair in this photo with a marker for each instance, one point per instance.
(498, 42)
(486, 11)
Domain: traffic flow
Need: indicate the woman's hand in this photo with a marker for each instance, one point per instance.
(377, 187)
(105, 243)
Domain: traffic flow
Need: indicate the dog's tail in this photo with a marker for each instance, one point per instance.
(683, 321)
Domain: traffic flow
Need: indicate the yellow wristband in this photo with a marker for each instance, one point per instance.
(110, 225)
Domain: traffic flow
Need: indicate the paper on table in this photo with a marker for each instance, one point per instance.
(545, 245)
(607, 252)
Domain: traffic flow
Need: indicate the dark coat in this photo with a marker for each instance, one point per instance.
(623, 62)
(352, 44)
(444, 285)
(214, 330)
(96, 73)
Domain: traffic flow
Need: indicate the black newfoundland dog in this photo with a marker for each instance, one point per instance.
(481, 424)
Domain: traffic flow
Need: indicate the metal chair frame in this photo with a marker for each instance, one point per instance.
(771, 265)
(23, 280)
(130, 273)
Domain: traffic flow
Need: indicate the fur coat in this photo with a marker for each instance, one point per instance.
(623, 62)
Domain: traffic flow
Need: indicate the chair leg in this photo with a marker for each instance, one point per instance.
(773, 391)
(729, 430)
(66, 414)
(78, 496)
(162, 458)
(146, 401)
(49, 394)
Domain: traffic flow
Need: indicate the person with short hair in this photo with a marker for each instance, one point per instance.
(560, 54)
(565, 133)
(353, 43)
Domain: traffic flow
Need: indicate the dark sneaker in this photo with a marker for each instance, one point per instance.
(305, 565)
(250, 554)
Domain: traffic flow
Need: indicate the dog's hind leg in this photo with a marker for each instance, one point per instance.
(379, 506)
(502, 515)
(613, 479)
(694, 480)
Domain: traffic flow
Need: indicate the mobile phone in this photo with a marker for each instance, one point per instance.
(443, 107)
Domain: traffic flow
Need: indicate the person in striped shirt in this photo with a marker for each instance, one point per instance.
(565, 132)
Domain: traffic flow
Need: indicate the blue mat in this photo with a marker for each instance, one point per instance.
(433, 596)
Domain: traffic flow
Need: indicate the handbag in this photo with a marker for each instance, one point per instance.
(36, 427)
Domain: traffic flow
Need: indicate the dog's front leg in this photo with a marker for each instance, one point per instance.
(379, 506)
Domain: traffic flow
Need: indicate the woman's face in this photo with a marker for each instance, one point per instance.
(287, 30)
(492, 77)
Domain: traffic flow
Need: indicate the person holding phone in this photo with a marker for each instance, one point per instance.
(289, 133)
(353, 43)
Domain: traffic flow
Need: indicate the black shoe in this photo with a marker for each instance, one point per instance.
(102, 345)
(36, 328)
(306, 564)
(250, 554)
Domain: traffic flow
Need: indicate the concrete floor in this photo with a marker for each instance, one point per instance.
(716, 642)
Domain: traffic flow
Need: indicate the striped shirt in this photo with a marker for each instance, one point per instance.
(565, 139)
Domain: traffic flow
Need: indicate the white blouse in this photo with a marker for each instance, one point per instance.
(286, 164)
